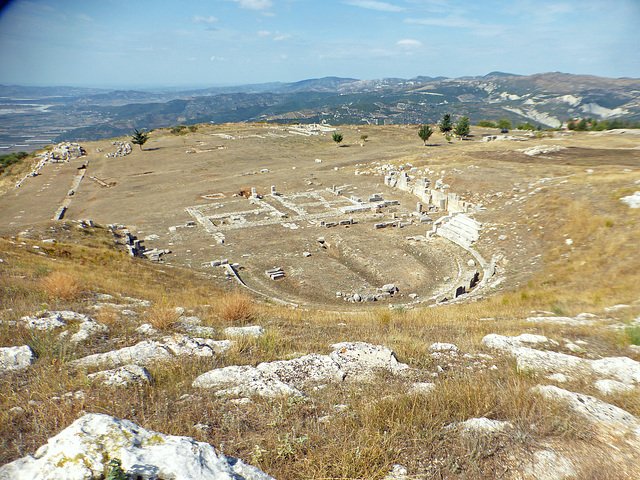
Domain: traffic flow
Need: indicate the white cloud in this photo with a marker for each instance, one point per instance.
(277, 36)
(375, 5)
(199, 19)
(451, 22)
(282, 36)
(255, 4)
(217, 59)
(408, 43)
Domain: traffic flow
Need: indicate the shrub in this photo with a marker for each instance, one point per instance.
(61, 285)
(10, 159)
(162, 316)
(236, 307)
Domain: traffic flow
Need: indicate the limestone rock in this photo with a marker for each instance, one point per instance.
(577, 320)
(501, 342)
(82, 450)
(595, 411)
(125, 376)
(87, 329)
(148, 352)
(608, 387)
(349, 360)
(250, 331)
(482, 426)
(549, 465)
(632, 200)
(14, 359)
(359, 360)
(621, 369)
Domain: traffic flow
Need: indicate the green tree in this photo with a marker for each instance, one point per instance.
(445, 124)
(337, 137)
(364, 138)
(462, 128)
(571, 125)
(582, 125)
(140, 137)
(424, 133)
(504, 123)
(487, 124)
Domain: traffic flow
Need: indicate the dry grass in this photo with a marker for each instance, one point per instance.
(162, 316)
(341, 431)
(236, 307)
(62, 285)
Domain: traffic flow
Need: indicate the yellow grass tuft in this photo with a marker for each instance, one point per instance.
(62, 285)
(162, 316)
(236, 307)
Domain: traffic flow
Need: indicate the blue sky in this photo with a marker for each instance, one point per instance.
(135, 43)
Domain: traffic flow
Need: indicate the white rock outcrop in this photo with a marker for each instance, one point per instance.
(148, 352)
(82, 451)
(46, 320)
(621, 369)
(632, 200)
(349, 361)
(595, 411)
(249, 331)
(15, 359)
(125, 376)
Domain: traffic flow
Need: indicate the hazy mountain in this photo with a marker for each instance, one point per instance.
(543, 99)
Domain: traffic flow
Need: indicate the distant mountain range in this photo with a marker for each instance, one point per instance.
(544, 99)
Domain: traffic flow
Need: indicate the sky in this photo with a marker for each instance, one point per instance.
(164, 43)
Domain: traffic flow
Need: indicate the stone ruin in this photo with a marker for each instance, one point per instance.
(136, 247)
(123, 149)
(62, 152)
(434, 199)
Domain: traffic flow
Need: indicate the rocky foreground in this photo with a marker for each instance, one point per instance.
(98, 445)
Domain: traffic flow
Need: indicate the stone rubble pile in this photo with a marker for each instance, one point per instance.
(384, 293)
(122, 149)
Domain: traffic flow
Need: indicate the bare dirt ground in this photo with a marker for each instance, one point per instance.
(207, 171)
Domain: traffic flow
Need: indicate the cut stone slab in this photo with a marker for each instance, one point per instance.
(15, 359)
(253, 331)
(349, 361)
(82, 451)
(125, 376)
(595, 411)
(148, 352)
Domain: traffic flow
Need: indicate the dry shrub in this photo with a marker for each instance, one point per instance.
(62, 285)
(163, 316)
(108, 316)
(236, 307)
